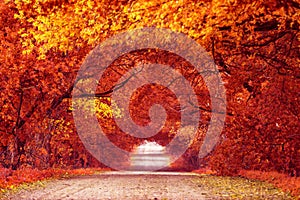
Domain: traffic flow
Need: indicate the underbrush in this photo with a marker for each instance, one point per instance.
(11, 179)
(283, 181)
(286, 183)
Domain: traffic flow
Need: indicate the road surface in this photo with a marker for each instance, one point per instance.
(150, 185)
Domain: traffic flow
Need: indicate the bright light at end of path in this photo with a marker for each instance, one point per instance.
(149, 156)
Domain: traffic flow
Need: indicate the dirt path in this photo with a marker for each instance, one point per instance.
(124, 185)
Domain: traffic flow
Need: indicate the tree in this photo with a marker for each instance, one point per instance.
(30, 94)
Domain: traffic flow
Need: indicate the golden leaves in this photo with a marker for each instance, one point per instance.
(65, 26)
(100, 106)
(86, 22)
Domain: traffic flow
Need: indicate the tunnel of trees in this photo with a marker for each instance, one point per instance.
(255, 45)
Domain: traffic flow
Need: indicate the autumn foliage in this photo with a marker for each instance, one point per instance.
(255, 45)
(10, 179)
(287, 183)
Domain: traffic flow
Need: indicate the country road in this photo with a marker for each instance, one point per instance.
(150, 185)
